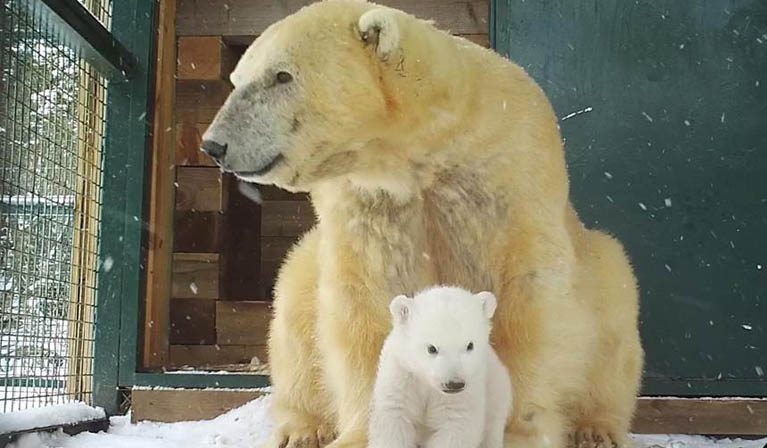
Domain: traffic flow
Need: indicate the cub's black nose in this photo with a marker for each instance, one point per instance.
(453, 387)
(213, 149)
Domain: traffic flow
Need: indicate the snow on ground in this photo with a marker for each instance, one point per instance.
(61, 414)
(249, 426)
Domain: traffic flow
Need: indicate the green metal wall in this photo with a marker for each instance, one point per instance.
(667, 150)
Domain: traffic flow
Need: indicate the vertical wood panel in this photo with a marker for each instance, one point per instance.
(199, 189)
(196, 276)
(160, 238)
(242, 245)
(193, 322)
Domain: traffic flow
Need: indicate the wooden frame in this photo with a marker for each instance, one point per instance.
(711, 416)
(655, 415)
(82, 305)
(160, 239)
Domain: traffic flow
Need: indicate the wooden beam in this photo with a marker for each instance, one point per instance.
(188, 139)
(272, 193)
(162, 195)
(198, 232)
(242, 323)
(205, 58)
(483, 40)
(701, 416)
(178, 405)
(273, 251)
(193, 322)
(199, 189)
(251, 17)
(210, 356)
(199, 101)
(286, 218)
(241, 243)
(742, 417)
(196, 276)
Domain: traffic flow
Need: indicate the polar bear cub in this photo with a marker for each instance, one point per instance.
(439, 383)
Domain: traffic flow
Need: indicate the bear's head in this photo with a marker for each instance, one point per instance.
(323, 94)
(442, 335)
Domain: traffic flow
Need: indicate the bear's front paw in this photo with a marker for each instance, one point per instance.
(293, 439)
(349, 442)
(588, 437)
(325, 436)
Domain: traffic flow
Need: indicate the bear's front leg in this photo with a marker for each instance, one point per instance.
(351, 335)
(390, 429)
(455, 435)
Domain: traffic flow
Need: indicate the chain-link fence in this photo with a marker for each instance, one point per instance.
(52, 108)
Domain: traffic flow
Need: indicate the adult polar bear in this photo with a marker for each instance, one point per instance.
(428, 160)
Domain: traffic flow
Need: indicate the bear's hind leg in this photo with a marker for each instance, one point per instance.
(299, 403)
(603, 415)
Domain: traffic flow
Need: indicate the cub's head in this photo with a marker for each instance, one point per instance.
(308, 96)
(443, 335)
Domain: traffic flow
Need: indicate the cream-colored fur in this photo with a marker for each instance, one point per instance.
(429, 160)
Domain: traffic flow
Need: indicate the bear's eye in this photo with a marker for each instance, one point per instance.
(284, 77)
(470, 347)
(432, 350)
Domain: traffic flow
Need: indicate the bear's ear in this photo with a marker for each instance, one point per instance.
(400, 309)
(488, 303)
(378, 27)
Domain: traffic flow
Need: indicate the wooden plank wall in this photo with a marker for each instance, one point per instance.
(227, 249)
(744, 417)
(160, 235)
(216, 229)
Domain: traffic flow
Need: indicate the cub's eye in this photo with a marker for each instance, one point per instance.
(470, 347)
(284, 77)
(432, 350)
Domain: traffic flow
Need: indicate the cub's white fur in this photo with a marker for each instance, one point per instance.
(439, 383)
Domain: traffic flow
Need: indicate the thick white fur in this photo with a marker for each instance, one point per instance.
(442, 164)
(409, 406)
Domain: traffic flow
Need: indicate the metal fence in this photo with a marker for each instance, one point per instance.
(52, 127)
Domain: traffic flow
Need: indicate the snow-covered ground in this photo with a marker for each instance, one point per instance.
(250, 425)
(62, 414)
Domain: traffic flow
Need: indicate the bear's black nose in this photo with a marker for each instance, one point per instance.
(453, 387)
(214, 149)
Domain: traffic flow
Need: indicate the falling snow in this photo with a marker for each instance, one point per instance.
(193, 287)
(108, 263)
(642, 206)
(250, 192)
(578, 112)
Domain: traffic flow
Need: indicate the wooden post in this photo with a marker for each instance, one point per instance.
(86, 221)
(156, 320)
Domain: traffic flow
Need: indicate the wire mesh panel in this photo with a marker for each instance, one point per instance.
(102, 9)
(52, 107)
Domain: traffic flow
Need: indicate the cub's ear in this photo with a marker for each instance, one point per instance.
(400, 309)
(489, 303)
(378, 27)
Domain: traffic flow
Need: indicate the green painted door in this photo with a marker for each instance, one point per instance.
(663, 108)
